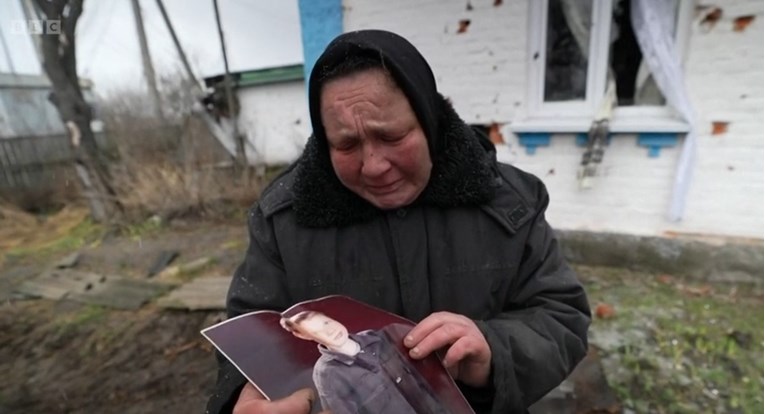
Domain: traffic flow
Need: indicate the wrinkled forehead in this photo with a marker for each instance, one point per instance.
(378, 73)
(376, 82)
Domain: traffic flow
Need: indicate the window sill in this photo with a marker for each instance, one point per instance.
(653, 133)
(618, 125)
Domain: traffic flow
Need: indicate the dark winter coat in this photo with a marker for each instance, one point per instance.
(498, 264)
(475, 243)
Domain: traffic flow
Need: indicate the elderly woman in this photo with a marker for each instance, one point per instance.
(398, 203)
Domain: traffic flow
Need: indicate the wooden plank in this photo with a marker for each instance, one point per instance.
(110, 291)
(202, 293)
(34, 155)
(3, 159)
(5, 162)
(11, 279)
(11, 154)
(58, 284)
(25, 155)
(121, 293)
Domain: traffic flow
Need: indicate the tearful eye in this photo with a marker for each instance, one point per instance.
(394, 136)
(345, 145)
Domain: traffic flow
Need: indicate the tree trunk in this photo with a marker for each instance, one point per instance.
(59, 62)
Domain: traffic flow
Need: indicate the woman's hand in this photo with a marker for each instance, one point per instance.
(468, 357)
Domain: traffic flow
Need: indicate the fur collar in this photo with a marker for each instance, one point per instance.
(462, 175)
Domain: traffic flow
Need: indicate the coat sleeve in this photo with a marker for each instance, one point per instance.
(258, 284)
(542, 332)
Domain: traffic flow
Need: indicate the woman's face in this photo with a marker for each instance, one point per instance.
(324, 330)
(377, 147)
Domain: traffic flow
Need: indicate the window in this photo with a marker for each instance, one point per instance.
(577, 47)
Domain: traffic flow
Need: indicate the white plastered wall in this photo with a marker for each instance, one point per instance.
(275, 119)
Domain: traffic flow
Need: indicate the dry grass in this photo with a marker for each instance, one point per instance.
(170, 166)
(166, 189)
(165, 165)
(23, 234)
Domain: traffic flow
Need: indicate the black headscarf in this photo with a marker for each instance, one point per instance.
(462, 158)
(402, 60)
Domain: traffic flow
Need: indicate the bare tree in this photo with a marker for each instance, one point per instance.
(60, 64)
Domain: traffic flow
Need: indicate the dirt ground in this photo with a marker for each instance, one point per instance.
(667, 345)
(67, 357)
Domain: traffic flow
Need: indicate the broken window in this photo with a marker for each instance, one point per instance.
(568, 39)
(634, 83)
(579, 46)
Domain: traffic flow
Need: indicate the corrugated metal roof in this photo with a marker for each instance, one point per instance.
(261, 76)
(25, 109)
(32, 81)
(271, 75)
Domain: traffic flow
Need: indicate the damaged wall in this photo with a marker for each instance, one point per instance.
(275, 120)
(478, 50)
(725, 81)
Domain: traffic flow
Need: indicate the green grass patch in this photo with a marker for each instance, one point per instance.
(683, 346)
(86, 315)
(145, 228)
(84, 233)
(83, 321)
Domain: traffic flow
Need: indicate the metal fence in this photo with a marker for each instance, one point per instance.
(36, 162)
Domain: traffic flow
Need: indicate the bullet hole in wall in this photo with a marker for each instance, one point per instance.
(711, 17)
(719, 127)
(463, 26)
(742, 22)
(495, 135)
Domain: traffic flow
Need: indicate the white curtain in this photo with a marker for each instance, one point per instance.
(578, 15)
(655, 35)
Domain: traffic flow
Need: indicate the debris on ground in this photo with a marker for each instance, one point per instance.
(202, 293)
(659, 343)
(164, 258)
(96, 289)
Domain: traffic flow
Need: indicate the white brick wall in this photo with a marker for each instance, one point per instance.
(725, 81)
(480, 70)
(483, 71)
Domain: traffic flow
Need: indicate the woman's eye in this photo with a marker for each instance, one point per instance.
(394, 136)
(345, 146)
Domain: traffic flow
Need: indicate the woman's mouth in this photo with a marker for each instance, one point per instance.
(384, 189)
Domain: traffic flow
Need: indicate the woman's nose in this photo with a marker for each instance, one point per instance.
(374, 162)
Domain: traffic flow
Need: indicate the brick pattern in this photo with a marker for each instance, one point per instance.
(483, 72)
(479, 70)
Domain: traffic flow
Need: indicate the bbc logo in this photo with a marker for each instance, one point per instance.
(36, 27)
